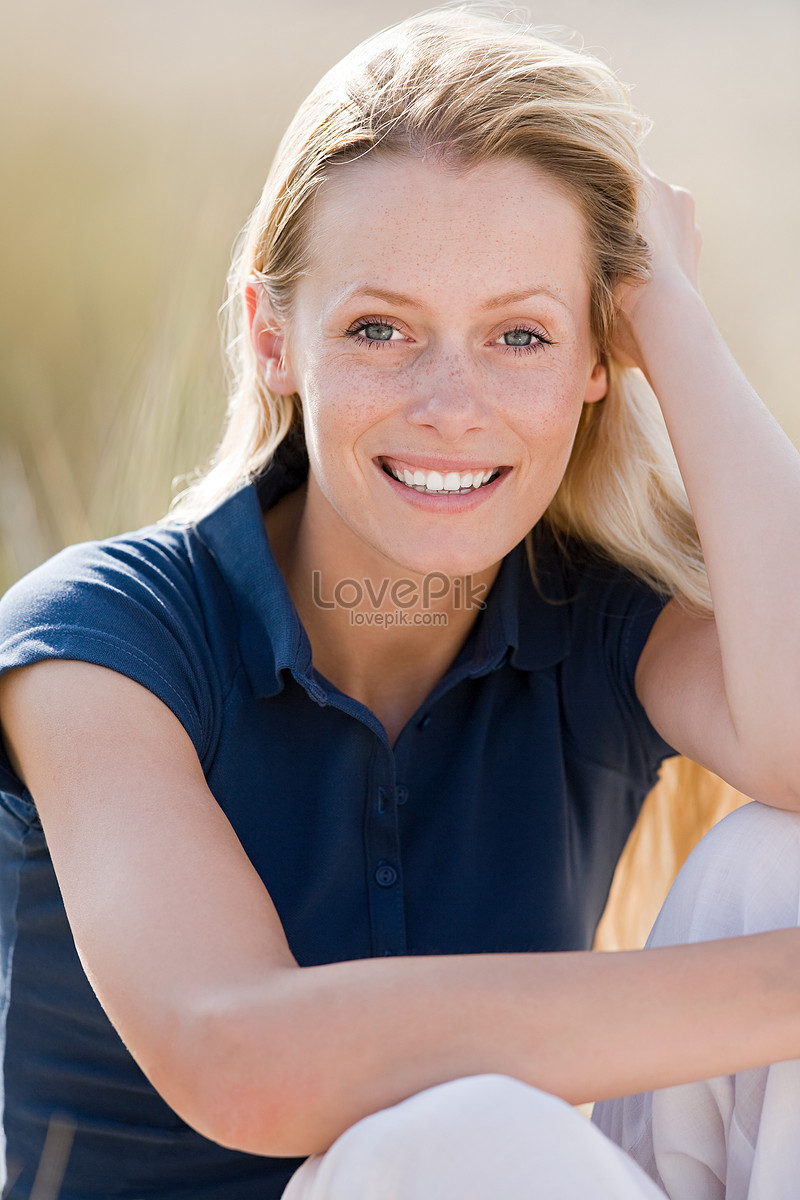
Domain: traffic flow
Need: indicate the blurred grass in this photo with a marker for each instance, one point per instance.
(138, 141)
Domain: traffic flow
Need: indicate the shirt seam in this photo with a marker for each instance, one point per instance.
(630, 668)
(92, 637)
(239, 669)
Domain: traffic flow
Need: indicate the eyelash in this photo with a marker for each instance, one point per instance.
(535, 346)
(355, 331)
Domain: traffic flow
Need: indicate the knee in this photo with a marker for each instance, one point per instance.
(743, 877)
(413, 1147)
(436, 1143)
(479, 1137)
(471, 1108)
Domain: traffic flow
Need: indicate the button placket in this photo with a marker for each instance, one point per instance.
(384, 873)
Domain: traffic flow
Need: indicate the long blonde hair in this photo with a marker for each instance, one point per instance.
(464, 88)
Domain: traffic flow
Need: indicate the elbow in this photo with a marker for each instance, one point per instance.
(781, 789)
(767, 771)
(786, 796)
(778, 758)
(241, 1079)
(254, 1112)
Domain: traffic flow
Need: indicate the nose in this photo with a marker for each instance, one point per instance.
(447, 397)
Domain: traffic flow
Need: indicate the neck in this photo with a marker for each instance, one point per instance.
(382, 635)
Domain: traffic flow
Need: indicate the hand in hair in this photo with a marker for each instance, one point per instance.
(667, 220)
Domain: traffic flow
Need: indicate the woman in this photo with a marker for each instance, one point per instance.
(317, 801)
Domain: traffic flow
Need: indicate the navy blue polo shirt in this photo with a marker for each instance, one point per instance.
(493, 824)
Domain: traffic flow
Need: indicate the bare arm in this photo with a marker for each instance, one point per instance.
(188, 956)
(724, 691)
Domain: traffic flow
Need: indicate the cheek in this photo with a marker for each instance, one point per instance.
(337, 413)
(344, 402)
(547, 410)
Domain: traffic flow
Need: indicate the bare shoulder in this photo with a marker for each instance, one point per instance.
(680, 683)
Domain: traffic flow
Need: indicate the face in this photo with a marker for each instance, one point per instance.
(441, 347)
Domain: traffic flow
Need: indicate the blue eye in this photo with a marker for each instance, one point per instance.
(523, 341)
(377, 331)
(373, 331)
(519, 337)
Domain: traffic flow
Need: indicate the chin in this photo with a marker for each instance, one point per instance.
(447, 561)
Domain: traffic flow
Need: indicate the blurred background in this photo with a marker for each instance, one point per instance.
(136, 140)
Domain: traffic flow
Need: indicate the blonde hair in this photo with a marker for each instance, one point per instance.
(464, 88)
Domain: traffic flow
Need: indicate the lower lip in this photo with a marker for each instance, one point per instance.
(445, 502)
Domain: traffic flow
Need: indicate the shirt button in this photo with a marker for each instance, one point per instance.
(385, 875)
(424, 722)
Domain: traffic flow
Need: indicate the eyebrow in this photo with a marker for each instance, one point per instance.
(364, 288)
(528, 293)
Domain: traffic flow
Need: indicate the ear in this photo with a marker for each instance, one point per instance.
(597, 387)
(268, 340)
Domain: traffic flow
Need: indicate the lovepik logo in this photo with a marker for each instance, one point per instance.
(402, 594)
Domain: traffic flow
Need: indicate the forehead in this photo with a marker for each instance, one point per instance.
(410, 223)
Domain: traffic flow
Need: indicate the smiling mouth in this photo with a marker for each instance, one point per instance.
(454, 483)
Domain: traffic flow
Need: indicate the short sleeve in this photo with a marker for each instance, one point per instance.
(128, 604)
(613, 613)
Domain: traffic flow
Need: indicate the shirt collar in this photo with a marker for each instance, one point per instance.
(519, 625)
(532, 617)
(271, 636)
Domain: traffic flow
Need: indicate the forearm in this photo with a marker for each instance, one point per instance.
(300, 1057)
(742, 476)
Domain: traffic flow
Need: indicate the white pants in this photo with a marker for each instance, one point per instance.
(486, 1137)
(736, 1137)
(489, 1137)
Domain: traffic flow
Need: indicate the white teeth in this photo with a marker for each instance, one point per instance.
(450, 481)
